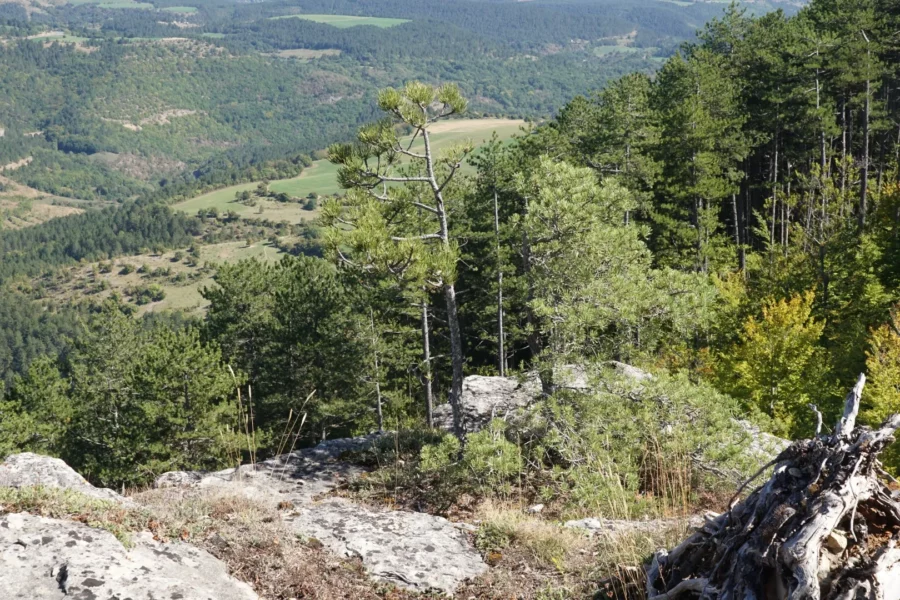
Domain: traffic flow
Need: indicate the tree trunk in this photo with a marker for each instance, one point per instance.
(864, 172)
(825, 525)
(456, 360)
(774, 194)
(377, 376)
(737, 232)
(533, 339)
(426, 372)
(501, 350)
(456, 347)
(843, 151)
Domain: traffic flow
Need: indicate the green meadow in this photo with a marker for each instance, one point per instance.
(321, 177)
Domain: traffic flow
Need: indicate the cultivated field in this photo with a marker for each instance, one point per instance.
(115, 3)
(181, 9)
(345, 21)
(321, 177)
(223, 201)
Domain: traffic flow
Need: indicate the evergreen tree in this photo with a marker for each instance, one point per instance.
(701, 146)
(408, 226)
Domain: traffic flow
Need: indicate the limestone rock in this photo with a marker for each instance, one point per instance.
(613, 527)
(179, 479)
(302, 475)
(49, 559)
(29, 470)
(485, 398)
(629, 371)
(762, 446)
(416, 550)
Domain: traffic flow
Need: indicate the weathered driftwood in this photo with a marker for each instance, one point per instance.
(825, 525)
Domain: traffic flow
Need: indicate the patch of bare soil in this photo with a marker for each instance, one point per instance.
(46, 34)
(163, 117)
(17, 164)
(126, 124)
(180, 24)
(23, 206)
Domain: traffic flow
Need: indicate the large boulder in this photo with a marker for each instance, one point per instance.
(31, 470)
(49, 559)
(485, 397)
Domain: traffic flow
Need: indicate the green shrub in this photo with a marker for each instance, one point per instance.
(490, 457)
(630, 448)
(626, 449)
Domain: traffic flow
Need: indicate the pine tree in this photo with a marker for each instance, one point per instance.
(701, 146)
(399, 213)
(615, 133)
(592, 290)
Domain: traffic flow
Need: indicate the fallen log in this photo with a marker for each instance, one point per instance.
(824, 526)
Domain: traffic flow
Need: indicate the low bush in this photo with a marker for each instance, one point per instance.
(626, 449)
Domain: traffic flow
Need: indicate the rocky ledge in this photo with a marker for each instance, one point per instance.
(413, 550)
(49, 559)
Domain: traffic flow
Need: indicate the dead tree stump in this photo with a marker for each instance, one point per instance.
(824, 526)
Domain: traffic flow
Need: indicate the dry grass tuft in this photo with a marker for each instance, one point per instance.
(549, 545)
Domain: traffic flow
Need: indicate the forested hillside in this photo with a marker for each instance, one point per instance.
(115, 101)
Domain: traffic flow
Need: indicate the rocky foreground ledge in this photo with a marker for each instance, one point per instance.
(49, 559)
(44, 558)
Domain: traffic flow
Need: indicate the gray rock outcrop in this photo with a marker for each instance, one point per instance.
(49, 559)
(488, 397)
(485, 398)
(763, 446)
(29, 470)
(414, 550)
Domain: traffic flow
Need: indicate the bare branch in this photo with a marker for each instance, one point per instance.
(847, 423)
(426, 236)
